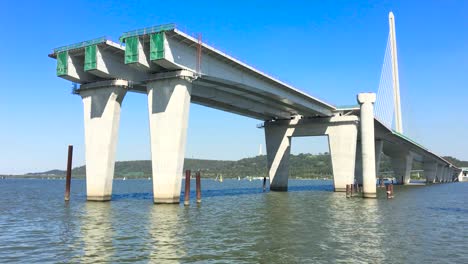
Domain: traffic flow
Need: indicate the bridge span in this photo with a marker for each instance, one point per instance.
(174, 69)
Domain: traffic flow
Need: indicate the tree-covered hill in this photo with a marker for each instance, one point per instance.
(300, 166)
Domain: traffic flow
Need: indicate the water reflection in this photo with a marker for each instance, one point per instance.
(97, 232)
(354, 229)
(166, 233)
(308, 224)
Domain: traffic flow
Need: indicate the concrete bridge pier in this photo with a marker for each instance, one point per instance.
(342, 140)
(378, 155)
(402, 164)
(278, 147)
(430, 171)
(443, 174)
(366, 100)
(358, 166)
(168, 107)
(439, 173)
(102, 102)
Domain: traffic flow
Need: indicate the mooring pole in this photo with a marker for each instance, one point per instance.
(187, 188)
(69, 168)
(348, 190)
(198, 181)
(390, 191)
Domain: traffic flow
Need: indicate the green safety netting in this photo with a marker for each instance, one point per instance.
(157, 46)
(146, 31)
(90, 58)
(131, 50)
(81, 44)
(62, 63)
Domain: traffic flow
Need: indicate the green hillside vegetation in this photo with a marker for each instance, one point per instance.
(300, 166)
(456, 162)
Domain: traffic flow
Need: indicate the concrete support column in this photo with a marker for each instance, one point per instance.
(102, 102)
(439, 173)
(402, 165)
(358, 163)
(444, 177)
(278, 147)
(366, 100)
(342, 141)
(358, 166)
(430, 171)
(168, 106)
(378, 155)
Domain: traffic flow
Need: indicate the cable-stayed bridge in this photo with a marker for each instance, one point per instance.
(174, 69)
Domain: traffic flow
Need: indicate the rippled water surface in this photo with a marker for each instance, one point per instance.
(236, 223)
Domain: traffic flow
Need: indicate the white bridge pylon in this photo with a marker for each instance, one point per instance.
(388, 106)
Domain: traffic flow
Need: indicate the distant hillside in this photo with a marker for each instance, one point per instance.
(51, 173)
(300, 166)
(456, 162)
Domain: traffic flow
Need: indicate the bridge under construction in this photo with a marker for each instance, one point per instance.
(174, 69)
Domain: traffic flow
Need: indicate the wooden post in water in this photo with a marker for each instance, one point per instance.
(390, 191)
(198, 180)
(348, 190)
(187, 188)
(69, 168)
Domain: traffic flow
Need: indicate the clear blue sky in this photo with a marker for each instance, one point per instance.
(336, 47)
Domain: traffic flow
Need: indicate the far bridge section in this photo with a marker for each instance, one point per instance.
(174, 69)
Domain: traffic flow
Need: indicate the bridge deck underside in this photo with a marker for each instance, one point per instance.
(395, 144)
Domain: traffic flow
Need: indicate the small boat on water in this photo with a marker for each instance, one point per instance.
(219, 178)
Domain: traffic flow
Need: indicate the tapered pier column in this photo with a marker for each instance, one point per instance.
(439, 173)
(443, 173)
(168, 105)
(366, 100)
(342, 139)
(102, 102)
(402, 164)
(378, 155)
(358, 164)
(278, 146)
(430, 171)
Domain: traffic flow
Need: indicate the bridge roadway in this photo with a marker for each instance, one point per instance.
(175, 69)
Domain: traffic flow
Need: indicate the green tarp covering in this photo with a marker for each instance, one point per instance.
(62, 63)
(157, 46)
(90, 58)
(131, 50)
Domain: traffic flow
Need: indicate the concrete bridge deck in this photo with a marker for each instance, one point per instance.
(175, 69)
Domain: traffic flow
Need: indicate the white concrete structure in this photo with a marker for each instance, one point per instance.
(164, 64)
(396, 80)
(367, 100)
(342, 135)
(102, 102)
(430, 171)
(463, 174)
(168, 109)
(402, 165)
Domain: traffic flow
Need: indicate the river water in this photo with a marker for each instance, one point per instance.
(236, 223)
